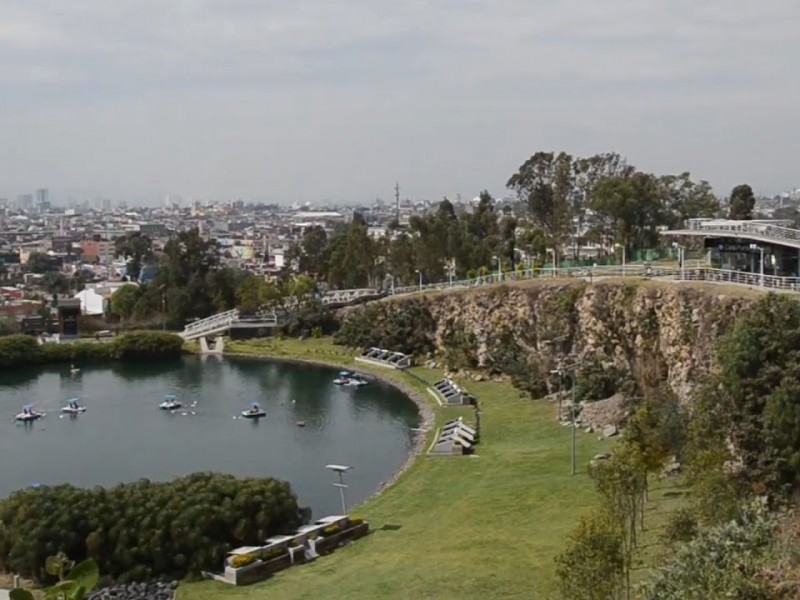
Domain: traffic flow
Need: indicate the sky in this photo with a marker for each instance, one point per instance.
(311, 100)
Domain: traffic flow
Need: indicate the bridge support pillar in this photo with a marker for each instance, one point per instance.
(217, 348)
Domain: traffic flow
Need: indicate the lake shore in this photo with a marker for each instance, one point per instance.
(423, 404)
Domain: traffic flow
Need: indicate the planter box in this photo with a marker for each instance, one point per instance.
(259, 571)
(330, 543)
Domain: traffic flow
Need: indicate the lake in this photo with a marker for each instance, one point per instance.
(124, 436)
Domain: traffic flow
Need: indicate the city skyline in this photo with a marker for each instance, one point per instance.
(338, 100)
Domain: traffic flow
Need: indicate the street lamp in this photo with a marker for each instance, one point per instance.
(341, 470)
(418, 272)
(680, 256)
(761, 262)
(623, 256)
(451, 271)
(499, 271)
(391, 279)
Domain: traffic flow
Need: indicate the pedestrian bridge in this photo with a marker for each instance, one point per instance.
(221, 323)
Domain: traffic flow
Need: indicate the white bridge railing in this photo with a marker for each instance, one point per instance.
(695, 271)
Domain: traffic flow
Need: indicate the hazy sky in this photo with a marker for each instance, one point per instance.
(310, 99)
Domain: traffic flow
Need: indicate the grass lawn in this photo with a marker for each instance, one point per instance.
(452, 527)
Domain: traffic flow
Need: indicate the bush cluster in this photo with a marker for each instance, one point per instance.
(406, 327)
(144, 530)
(22, 350)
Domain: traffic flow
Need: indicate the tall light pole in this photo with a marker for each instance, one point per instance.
(450, 271)
(417, 271)
(623, 256)
(341, 470)
(391, 279)
(680, 256)
(761, 262)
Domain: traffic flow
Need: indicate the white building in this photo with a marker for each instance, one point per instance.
(95, 298)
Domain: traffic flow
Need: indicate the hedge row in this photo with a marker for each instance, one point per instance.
(22, 350)
(144, 530)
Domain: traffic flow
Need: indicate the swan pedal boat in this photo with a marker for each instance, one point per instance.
(71, 410)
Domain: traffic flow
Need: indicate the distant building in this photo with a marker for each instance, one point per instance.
(95, 297)
(97, 250)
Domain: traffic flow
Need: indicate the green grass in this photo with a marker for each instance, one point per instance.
(452, 527)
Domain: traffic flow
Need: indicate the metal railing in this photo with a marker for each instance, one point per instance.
(695, 271)
(210, 323)
(764, 230)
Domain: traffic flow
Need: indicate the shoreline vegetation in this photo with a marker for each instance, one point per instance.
(434, 520)
(20, 350)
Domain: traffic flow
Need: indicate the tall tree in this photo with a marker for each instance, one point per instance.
(588, 171)
(137, 249)
(686, 199)
(547, 182)
(352, 262)
(742, 202)
(629, 209)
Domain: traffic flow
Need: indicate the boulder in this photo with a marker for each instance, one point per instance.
(602, 456)
(610, 431)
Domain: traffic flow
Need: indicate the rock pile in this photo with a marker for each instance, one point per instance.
(153, 590)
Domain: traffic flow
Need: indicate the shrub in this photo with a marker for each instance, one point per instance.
(18, 349)
(242, 560)
(144, 529)
(331, 530)
(682, 526)
(356, 521)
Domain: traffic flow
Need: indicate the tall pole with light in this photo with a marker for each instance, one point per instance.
(760, 262)
(341, 470)
(623, 256)
(680, 256)
(418, 272)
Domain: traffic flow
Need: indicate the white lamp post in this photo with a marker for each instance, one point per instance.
(680, 256)
(418, 272)
(623, 256)
(341, 470)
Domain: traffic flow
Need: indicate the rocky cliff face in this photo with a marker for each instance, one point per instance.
(616, 327)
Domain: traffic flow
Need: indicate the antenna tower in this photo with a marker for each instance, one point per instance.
(397, 201)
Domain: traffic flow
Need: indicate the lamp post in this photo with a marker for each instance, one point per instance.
(341, 470)
(163, 307)
(761, 262)
(680, 256)
(450, 271)
(623, 256)
(499, 268)
(391, 280)
(418, 272)
(548, 343)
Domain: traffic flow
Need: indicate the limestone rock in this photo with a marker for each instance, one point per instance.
(610, 431)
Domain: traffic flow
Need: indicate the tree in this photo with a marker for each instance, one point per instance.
(55, 283)
(742, 202)
(752, 398)
(592, 565)
(38, 262)
(124, 300)
(352, 262)
(137, 249)
(546, 182)
(629, 209)
(183, 275)
(685, 199)
(727, 561)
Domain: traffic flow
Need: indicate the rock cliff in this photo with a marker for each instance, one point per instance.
(613, 328)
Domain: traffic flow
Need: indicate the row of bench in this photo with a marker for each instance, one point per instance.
(452, 394)
(385, 358)
(455, 438)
